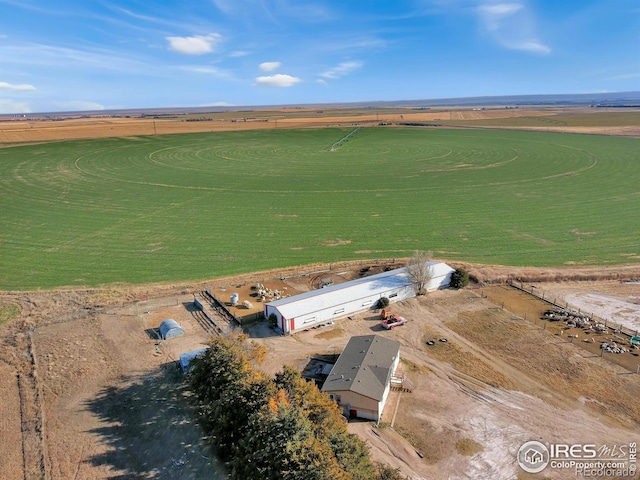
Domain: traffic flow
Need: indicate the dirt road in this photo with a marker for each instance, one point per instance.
(111, 401)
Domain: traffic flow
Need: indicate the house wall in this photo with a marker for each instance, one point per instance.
(364, 406)
(268, 310)
(392, 372)
(437, 283)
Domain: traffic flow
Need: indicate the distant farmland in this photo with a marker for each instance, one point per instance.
(196, 206)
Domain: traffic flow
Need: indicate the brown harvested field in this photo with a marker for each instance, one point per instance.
(67, 127)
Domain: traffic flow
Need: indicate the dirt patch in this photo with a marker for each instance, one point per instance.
(458, 398)
(336, 243)
(11, 459)
(108, 386)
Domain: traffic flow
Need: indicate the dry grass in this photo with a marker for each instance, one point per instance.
(468, 447)
(69, 127)
(463, 360)
(554, 362)
(410, 367)
(8, 311)
(492, 274)
(435, 444)
(335, 332)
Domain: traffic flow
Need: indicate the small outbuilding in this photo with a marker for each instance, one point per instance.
(169, 328)
(185, 358)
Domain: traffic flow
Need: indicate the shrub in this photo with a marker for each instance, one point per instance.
(459, 279)
(383, 302)
(273, 319)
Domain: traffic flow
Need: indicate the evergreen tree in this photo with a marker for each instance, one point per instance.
(281, 445)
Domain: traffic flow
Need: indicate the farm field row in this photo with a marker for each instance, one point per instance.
(194, 206)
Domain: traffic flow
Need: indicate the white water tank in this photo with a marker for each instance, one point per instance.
(234, 299)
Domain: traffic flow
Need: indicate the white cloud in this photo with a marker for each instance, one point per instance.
(17, 87)
(269, 66)
(322, 81)
(207, 70)
(278, 80)
(500, 8)
(341, 70)
(42, 55)
(77, 105)
(217, 104)
(493, 16)
(511, 25)
(238, 53)
(625, 76)
(10, 106)
(196, 45)
(531, 46)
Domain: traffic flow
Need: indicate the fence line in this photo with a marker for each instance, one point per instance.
(547, 297)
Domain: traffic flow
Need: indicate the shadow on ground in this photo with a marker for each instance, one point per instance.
(150, 431)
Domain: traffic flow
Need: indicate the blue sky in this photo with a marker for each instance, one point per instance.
(67, 55)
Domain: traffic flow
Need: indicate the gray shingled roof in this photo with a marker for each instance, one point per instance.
(364, 367)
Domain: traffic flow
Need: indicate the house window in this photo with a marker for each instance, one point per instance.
(393, 295)
(309, 320)
(367, 302)
(334, 397)
(340, 310)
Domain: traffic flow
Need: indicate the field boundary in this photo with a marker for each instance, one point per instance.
(32, 415)
(546, 297)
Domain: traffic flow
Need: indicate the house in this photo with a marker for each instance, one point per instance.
(316, 307)
(360, 381)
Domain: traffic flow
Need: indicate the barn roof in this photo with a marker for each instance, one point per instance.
(364, 367)
(317, 300)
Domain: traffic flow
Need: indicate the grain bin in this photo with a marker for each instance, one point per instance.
(234, 299)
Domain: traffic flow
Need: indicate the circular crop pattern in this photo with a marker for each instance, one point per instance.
(289, 164)
(200, 205)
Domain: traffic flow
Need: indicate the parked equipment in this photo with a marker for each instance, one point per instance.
(393, 321)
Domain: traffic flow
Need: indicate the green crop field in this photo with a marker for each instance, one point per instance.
(196, 206)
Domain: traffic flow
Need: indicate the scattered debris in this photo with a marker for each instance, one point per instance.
(612, 347)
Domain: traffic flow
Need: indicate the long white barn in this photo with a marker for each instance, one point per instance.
(320, 306)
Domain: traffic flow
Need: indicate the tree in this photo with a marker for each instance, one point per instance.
(280, 444)
(459, 279)
(323, 412)
(228, 389)
(420, 270)
(328, 424)
(385, 472)
(282, 428)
